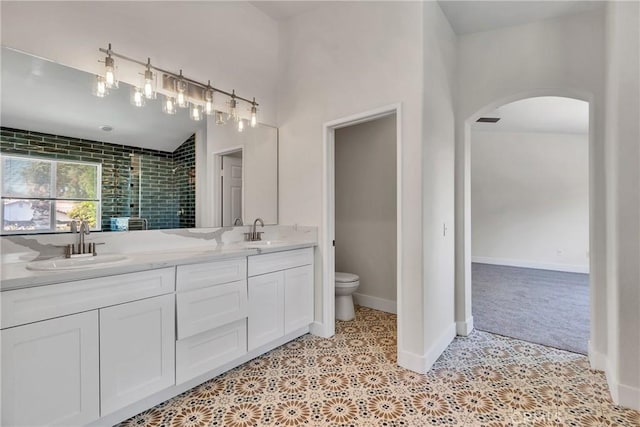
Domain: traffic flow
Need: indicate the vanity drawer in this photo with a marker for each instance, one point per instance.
(267, 263)
(209, 350)
(202, 309)
(212, 273)
(45, 302)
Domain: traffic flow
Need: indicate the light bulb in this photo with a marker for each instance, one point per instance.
(233, 109)
(110, 72)
(254, 115)
(169, 105)
(219, 118)
(240, 125)
(195, 113)
(208, 100)
(147, 89)
(137, 97)
(181, 97)
(100, 89)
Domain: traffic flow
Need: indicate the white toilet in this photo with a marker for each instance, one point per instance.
(346, 285)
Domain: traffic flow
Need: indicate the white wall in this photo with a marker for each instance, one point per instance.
(623, 201)
(561, 57)
(438, 126)
(365, 178)
(530, 199)
(352, 57)
(340, 60)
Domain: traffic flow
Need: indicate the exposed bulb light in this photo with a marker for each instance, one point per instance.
(137, 97)
(181, 96)
(220, 118)
(169, 105)
(233, 106)
(208, 100)
(254, 114)
(148, 88)
(110, 70)
(195, 112)
(240, 125)
(100, 89)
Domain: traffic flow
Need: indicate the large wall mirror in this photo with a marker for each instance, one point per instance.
(68, 155)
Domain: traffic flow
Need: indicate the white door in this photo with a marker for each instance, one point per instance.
(298, 298)
(266, 309)
(50, 372)
(231, 189)
(137, 351)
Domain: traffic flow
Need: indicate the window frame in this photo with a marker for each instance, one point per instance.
(53, 199)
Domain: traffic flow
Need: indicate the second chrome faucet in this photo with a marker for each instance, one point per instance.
(254, 235)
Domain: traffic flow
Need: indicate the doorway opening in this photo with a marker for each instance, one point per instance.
(530, 227)
(228, 179)
(329, 237)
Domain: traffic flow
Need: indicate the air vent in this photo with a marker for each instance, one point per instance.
(488, 119)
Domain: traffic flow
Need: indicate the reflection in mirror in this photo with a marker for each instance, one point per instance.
(245, 178)
(68, 155)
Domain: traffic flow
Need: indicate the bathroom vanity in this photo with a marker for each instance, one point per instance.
(97, 350)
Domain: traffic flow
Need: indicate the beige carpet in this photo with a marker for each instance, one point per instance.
(352, 380)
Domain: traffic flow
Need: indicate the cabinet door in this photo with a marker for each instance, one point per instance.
(50, 372)
(298, 298)
(266, 309)
(137, 357)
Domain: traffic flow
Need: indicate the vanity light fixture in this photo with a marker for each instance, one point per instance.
(137, 97)
(178, 91)
(254, 114)
(149, 82)
(195, 112)
(233, 106)
(169, 105)
(208, 100)
(181, 88)
(100, 88)
(110, 70)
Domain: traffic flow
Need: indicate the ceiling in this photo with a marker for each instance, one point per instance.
(474, 16)
(549, 114)
(464, 16)
(43, 96)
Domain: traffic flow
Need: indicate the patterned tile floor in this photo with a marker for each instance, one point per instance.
(352, 380)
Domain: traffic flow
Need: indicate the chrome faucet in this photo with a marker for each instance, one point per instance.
(238, 221)
(254, 235)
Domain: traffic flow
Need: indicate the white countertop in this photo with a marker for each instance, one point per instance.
(15, 275)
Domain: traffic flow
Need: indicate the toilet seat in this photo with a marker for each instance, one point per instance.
(346, 278)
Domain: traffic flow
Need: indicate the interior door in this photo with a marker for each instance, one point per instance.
(231, 189)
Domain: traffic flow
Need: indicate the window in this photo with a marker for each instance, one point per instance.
(43, 196)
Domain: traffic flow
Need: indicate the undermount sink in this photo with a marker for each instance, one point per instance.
(75, 263)
(258, 244)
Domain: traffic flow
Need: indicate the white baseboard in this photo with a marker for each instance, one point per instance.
(464, 328)
(622, 394)
(597, 360)
(386, 305)
(320, 330)
(411, 361)
(443, 341)
(568, 268)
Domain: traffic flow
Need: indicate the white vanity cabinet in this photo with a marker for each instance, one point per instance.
(211, 305)
(280, 294)
(137, 357)
(50, 372)
(73, 352)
